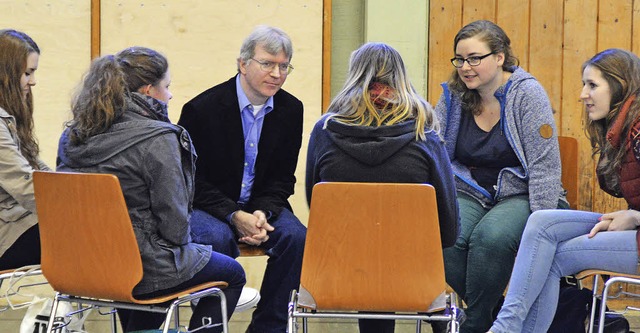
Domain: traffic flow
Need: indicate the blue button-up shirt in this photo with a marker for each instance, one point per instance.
(252, 128)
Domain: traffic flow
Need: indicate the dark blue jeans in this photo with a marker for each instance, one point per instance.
(219, 268)
(24, 251)
(284, 248)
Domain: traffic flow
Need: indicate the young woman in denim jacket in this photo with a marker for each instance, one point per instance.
(556, 243)
(120, 126)
(500, 135)
(19, 235)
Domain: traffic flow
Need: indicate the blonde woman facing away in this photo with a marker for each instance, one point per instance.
(378, 129)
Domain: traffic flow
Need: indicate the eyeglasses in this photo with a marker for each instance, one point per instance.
(458, 62)
(268, 66)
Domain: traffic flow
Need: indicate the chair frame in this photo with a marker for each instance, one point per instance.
(17, 273)
(615, 277)
(80, 205)
(325, 282)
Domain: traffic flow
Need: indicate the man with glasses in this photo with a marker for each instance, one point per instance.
(247, 133)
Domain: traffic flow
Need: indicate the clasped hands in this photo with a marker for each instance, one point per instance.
(617, 221)
(252, 228)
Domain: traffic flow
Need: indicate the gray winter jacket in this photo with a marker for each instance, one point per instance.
(154, 161)
(525, 114)
(17, 202)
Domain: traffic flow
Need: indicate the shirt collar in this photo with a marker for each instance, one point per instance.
(244, 102)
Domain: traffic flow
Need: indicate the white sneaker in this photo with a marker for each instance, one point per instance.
(248, 299)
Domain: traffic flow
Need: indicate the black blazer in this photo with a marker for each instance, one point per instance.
(215, 125)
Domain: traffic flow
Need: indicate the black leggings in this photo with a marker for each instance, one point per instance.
(24, 251)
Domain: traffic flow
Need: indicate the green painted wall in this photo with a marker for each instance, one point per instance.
(403, 24)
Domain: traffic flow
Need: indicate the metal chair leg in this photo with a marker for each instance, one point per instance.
(594, 298)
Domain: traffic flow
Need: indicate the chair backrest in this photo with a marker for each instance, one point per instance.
(570, 164)
(372, 247)
(87, 240)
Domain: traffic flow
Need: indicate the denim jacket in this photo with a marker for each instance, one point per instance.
(155, 163)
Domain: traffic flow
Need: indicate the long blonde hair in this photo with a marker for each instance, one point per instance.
(380, 63)
(15, 47)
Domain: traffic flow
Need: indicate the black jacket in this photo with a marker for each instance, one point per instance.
(214, 122)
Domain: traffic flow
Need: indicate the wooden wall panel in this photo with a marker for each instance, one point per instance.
(513, 17)
(445, 19)
(478, 10)
(545, 46)
(614, 24)
(635, 45)
(614, 30)
(579, 45)
(552, 38)
(61, 30)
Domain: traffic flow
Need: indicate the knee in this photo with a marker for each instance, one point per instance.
(291, 230)
(494, 243)
(237, 268)
(539, 221)
(294, 238)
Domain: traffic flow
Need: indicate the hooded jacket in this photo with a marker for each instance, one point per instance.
(154, 161)
(17, 201)
(386, 154)
(526, 119)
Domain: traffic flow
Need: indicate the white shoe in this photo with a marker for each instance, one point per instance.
(248, 299)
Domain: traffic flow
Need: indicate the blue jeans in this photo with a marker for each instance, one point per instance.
(555, 244)
(219, 268)
(479, 265)
(284, 248)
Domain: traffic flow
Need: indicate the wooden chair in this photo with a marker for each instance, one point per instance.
(569, 159)
(89, 251)
(247, 250)
(374, 248)
(607, 292)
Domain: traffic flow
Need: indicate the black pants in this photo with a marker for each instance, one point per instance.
(24, 251)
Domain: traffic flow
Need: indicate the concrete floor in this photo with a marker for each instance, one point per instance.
(10, 322)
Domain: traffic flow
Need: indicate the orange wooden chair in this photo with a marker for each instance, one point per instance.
(569, 159)
(374, 248)
(89, 251)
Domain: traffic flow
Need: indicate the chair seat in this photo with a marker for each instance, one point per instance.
(181, 293)
(247, 250)
(590, 272)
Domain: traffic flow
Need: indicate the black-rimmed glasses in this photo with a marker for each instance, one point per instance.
(268, 66)
(458, 62)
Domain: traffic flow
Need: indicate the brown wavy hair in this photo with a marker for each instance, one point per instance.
(15, 47)
(100, 98)
(621, 70)
(498, 42)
